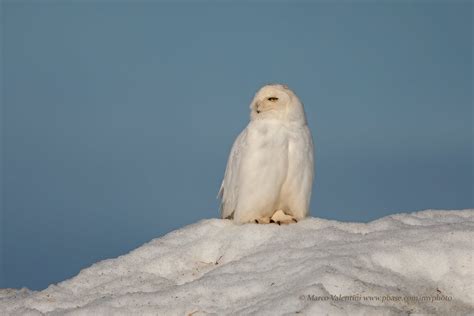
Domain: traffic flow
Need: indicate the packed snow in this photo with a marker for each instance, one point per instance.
(418, 263)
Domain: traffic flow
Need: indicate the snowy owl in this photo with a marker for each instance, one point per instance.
(269, 174)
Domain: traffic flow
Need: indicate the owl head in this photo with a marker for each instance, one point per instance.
(277, 101)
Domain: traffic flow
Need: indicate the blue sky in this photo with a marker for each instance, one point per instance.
(118, 117)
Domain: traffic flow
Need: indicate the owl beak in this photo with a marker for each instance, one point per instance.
(257, 107)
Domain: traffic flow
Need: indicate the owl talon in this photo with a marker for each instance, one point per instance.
(281, 218)
(263, 220)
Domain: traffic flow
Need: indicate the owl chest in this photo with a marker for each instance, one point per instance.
(272, 139)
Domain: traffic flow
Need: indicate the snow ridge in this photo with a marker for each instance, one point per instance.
(400, 264)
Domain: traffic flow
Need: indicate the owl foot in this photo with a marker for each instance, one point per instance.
(281, 218)
(263, 220)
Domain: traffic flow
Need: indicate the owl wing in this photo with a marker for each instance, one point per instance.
(229, 187)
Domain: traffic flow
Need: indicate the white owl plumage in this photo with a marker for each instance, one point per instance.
(269, 174)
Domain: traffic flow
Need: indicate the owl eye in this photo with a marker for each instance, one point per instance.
(273, 99)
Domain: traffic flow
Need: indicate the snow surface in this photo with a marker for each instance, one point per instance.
(418, 263)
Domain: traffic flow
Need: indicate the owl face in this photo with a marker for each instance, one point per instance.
(276, 101)
(271, 98)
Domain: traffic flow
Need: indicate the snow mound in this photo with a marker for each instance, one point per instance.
(405, 263)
